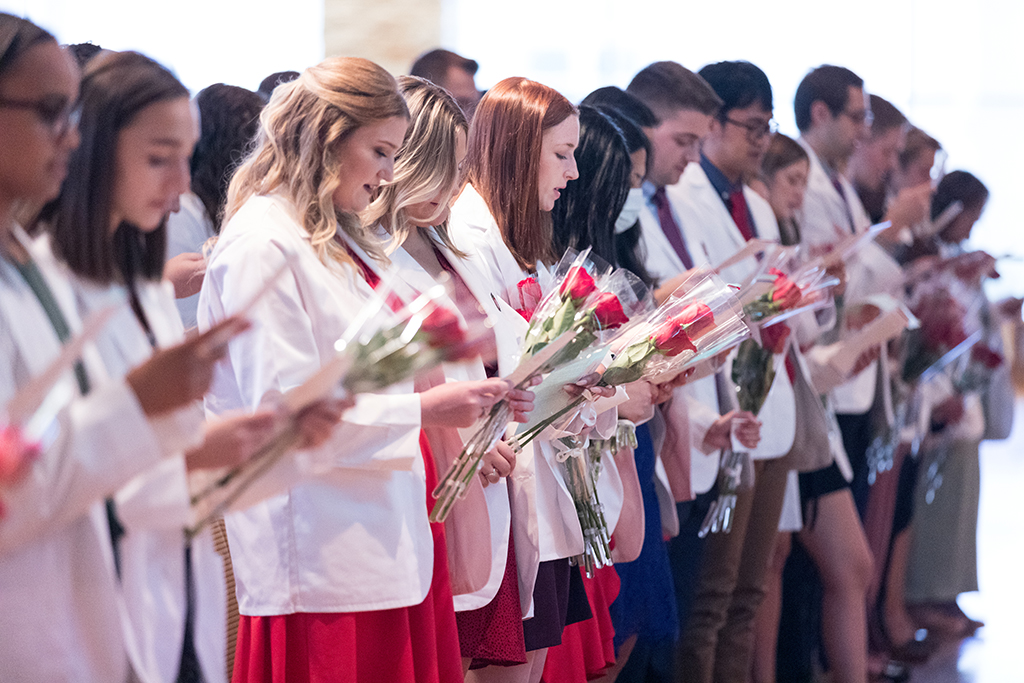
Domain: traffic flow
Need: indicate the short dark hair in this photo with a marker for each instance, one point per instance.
(268, 84)
(434, 65)
(828, 84)
(613, 98)
(958, 186)
(83, 52)
(229, 118)
(917, 141)
(17, 35)
(116, 87)
(738, 84)
(667, 87)
(885, 116)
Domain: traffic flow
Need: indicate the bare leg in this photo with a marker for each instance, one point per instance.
(524, 673)
(839, 549)
(766, 626)
(898, 623)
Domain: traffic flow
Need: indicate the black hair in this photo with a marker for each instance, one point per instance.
(229, 118)
(268, 84)
(83, 52)
(17, 35)
(116, 87)
(958, 186)
(739, 84)
(828, 84)
(585, 214)
(618, 100)
(884, 116)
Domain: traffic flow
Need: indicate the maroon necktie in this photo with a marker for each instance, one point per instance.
(846, 205)
(671, 228)
(740, 214)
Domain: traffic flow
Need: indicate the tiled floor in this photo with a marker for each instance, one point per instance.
(996, 655)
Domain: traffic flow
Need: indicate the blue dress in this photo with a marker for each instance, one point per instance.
(646, 605)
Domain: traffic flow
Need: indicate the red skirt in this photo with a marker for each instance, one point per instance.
(417, 644)
(587, 648)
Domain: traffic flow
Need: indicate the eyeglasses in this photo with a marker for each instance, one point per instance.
(863, 117)
(756, 130)
(54, 112)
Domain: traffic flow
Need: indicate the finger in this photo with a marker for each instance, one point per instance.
(521, 406)
(522, 395)
(502, 467)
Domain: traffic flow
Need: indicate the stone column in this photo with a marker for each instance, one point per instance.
(390, 32)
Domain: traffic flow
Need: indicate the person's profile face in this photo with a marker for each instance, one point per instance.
(38, 134)
(876, 159)
(557, 161)
(436, 210)
(151, 163)
(852, 125)
(675, 142)
(743, 135)
(366, 158)
(787, 187)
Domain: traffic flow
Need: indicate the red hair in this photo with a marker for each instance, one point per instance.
(503, 160)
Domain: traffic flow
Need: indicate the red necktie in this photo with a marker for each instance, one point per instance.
(740, 214)
(671, 228)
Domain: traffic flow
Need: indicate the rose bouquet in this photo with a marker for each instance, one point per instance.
(941, 332)
(976, 368)
(701, 319)
(584, 303)
(370, 357)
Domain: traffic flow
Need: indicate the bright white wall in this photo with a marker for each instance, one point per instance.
(954, 68)
(203, 41)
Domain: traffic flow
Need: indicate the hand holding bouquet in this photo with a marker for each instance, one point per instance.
(583, 303)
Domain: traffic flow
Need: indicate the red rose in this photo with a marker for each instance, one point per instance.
(442, 328)
(784, 291)
(608, 311)
(697, 319)
(577, 284)
(671, 339)
(529, 295)
(773, 337)
(15, 454)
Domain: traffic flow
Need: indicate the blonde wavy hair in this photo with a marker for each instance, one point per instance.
(425, 167)
(296, 148)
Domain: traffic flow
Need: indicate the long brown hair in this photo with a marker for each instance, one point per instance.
(503, 161)
(296, 148)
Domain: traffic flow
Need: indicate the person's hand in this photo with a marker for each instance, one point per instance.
(859, 315)
(665, 290)
(948, 411)
(497, 463)
(460, 404)
(176, 376)
(230, 441)
(1010, 308)
(973, 266)
(908, 208)
(865, 359)
(838, 271)
(185, 272)
(589, 381)
(639, 407)
(748, 430)
(317, 421)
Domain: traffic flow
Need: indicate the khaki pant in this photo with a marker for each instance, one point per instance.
(715, 646)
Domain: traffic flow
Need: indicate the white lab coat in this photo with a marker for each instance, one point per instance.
(154, 508)
(824, 219)
(547, 527)
(355, 536)
(712, 236)
(188, 229)
(696, 401)
(59, 604)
